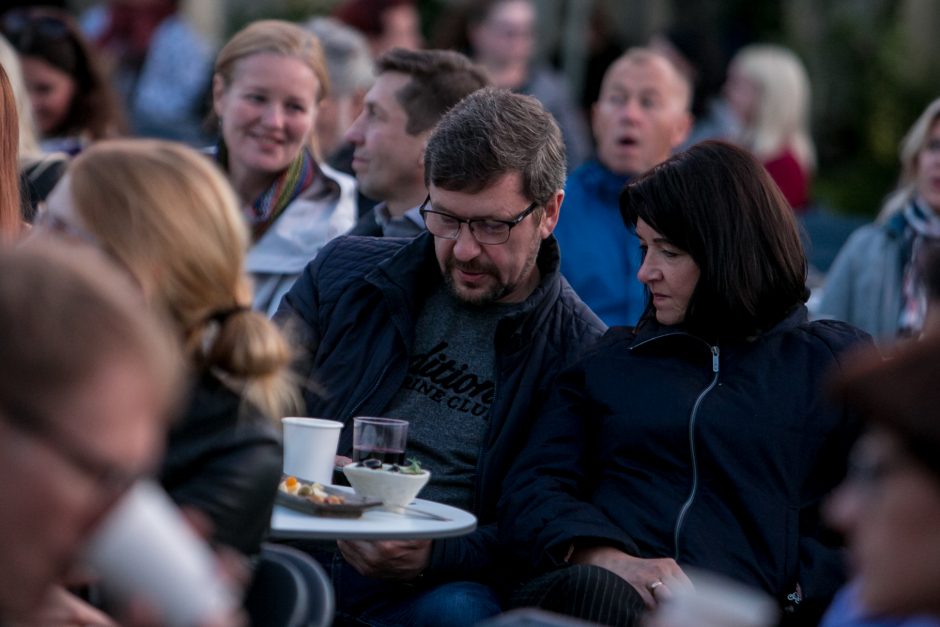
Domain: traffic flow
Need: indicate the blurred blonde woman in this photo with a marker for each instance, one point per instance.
(167, 216)
(877, 282)
(769, 91)
(268, 83)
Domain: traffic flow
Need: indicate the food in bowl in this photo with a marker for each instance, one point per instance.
(396, 486)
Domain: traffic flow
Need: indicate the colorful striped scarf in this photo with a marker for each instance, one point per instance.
(267, 207)
(924, 230)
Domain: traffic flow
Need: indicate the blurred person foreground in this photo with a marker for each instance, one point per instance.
(83, 411)
(889, 505)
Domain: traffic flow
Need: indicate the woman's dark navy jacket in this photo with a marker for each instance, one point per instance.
(353, 310)
(662, 445)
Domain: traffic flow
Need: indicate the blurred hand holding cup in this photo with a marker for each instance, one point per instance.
(715, 601)
(145, 551)
(383, 439)
(310, 448)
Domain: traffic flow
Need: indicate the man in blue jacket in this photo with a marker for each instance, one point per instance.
(640, 117)
(460, 331)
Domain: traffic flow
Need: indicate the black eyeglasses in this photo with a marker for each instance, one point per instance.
(484, 230)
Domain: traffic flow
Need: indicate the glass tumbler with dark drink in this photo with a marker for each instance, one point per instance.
(382, 439)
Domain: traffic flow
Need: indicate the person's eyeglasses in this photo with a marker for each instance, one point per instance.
(21, 26)
(109, 478)
(484, 230)
(49, 221)
(868, 472)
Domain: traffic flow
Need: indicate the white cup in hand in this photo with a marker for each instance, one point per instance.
(146, 552)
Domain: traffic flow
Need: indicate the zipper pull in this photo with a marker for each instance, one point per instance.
(714, 359)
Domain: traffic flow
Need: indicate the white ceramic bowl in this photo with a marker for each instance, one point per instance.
(394, 489)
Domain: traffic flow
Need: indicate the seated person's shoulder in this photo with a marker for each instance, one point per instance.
(614, 339)
(355, 255)
(835, 336)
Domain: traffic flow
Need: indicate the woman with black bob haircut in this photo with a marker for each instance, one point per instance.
(701, 438)
(720, 206)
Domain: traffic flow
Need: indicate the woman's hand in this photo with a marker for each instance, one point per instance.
(655, 579)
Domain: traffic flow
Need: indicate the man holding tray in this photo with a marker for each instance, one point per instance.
(460, 331)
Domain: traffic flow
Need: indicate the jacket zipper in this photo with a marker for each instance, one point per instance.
(698, 401)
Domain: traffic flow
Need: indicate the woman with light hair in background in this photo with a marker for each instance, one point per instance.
(269, 80)
(877, 280)
(39, 172)
(10, 222)
(166, 215)
(769, 91)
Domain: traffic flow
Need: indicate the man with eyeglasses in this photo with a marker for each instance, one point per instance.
(460, 331)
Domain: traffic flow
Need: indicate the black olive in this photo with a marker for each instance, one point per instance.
(394, 468)
(372, 463)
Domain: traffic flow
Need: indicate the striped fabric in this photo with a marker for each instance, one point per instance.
(590, 593)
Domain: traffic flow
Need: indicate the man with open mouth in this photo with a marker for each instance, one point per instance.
(640, 117)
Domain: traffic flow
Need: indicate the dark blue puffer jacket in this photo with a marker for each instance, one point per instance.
(353, 313)
(663, 445)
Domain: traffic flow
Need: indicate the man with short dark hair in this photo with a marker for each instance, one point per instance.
(414, 88)
(460, 331)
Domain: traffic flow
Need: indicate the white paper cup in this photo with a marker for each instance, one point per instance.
(310, 448)
(717, 602)
(146, 551)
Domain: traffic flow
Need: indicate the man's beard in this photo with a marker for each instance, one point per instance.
(492, 294)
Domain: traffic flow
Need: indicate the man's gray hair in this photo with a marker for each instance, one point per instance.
(348, 59)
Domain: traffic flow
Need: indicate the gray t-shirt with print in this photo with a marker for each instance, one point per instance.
(448, 392)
